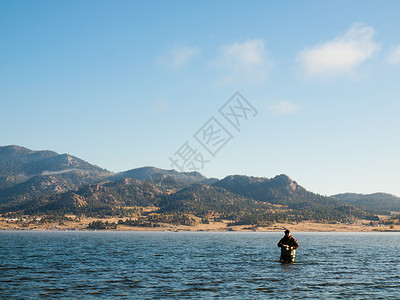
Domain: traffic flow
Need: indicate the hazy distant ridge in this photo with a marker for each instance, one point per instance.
(375, 201)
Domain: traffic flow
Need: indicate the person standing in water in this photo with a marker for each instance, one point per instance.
(288, 246)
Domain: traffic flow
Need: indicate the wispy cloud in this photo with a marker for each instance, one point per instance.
(245, 61)
(394, 56)
(179, 57)
(284, 108)
(342, 54)
(47, 173)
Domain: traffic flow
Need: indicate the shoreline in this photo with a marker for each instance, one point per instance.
(305, 226)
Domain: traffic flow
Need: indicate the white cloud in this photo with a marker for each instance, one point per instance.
(179, 57)
(284, 107)
(341, 55)
(394, 56)
(245, 61)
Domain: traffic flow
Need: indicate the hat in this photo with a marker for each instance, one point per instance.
(287, 231)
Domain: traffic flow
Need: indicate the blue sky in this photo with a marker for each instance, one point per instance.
(125, 84)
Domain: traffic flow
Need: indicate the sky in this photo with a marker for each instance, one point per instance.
(260, 88)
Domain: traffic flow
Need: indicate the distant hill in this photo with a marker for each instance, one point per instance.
(202, 199)
(26, 174)
(108, 198)
(167, 179)
(42, 185)
(378, 202)
(16, 160)
(282, 190)
(152, 173)
(278, 190)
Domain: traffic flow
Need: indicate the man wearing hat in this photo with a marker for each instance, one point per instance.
(288, 246)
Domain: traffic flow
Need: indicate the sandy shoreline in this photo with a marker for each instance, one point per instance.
(306, 226)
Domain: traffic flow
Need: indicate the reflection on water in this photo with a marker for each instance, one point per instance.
(197, 265)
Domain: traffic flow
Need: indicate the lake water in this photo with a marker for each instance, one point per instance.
(197, 265)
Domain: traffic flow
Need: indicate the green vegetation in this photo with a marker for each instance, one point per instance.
(155, 220)
(102, 225)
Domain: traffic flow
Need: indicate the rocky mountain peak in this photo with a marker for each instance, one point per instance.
(283, 179)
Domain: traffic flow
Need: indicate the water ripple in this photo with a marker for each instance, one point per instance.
(148, 265)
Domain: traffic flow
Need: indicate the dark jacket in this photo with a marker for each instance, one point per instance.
(290, 241)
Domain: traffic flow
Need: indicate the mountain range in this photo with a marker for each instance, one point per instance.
(376, 202)
(45, 182)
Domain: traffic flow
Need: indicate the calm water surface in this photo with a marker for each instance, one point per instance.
(158, 265)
